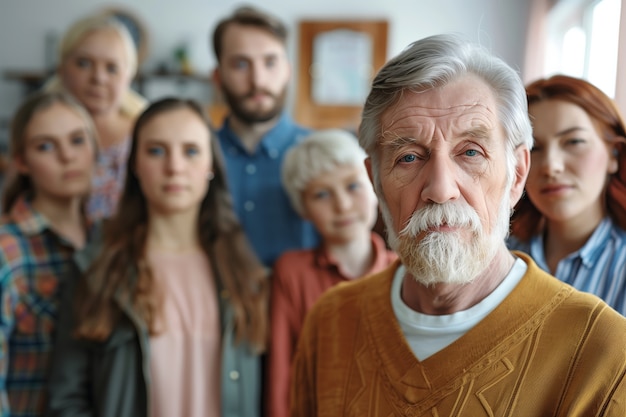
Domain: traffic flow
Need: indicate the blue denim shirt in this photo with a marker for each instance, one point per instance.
(265, 212)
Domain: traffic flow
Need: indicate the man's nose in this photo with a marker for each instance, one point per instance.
(440, 184)
(258, 75)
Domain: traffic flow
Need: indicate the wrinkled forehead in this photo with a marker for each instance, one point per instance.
(465, 103)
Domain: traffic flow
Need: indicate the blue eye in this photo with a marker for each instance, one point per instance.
(354, 186)
(471, 152)
(575, 141)
(112, 69)
(155, 151)
(82, 62)
(192, 151)
(45, 146)
(271, 62)
(408, 158)
(240, 64)
(321, 194)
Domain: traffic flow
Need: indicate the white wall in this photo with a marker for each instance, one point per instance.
(498, 24)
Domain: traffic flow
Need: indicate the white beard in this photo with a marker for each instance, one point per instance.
(447, 257)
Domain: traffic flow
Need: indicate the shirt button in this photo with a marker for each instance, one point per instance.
(273, 153)
(248, 205)
(250, 169)
(234, 375)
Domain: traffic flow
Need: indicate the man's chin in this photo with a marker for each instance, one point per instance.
(257, 116)
(442, 258)
(430, 277)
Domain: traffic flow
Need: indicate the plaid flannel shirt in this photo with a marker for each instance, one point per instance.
(34, 263)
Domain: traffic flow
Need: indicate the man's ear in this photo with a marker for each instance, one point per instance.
(522, 167)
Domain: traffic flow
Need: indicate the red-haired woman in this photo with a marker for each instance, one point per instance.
(572, 219)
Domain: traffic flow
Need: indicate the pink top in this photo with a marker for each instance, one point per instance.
(300, 278)
(185, 357)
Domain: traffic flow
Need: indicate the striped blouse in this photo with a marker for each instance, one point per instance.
(599, 267)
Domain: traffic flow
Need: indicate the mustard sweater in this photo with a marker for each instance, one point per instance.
(547, 350)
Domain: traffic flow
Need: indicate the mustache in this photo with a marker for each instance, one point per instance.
(455, 214)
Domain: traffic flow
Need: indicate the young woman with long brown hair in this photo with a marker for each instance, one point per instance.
(572, 220)
(171, 317)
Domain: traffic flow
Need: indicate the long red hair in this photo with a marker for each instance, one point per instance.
(527, 220)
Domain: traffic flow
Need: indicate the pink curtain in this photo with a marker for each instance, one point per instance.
(536, 37)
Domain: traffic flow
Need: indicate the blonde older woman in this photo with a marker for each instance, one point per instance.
(97, 62)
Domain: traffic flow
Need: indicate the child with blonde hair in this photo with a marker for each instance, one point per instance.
(326, 180)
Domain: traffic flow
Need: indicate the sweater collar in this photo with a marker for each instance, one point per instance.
(408, 376)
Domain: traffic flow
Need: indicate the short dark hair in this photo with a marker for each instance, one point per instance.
(248, 16)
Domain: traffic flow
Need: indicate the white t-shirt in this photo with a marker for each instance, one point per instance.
(427, 334)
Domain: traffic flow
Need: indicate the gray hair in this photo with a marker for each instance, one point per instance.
(434, 62)
(320, 152)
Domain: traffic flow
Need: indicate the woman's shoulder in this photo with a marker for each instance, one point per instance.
(11, 237)
(514, 243)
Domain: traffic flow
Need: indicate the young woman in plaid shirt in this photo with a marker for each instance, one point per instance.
(53, 149)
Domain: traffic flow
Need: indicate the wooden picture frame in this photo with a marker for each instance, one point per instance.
(337, 62)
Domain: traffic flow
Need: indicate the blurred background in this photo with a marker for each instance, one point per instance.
(537, 37)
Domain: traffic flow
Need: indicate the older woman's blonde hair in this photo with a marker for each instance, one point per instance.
(132, 103)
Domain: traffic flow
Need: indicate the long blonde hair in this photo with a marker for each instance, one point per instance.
(132, 103)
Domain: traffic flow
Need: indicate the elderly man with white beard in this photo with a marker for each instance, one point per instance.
(459, 326)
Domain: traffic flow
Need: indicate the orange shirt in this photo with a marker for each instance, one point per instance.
(300, 278)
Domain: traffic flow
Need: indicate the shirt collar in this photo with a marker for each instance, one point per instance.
(31, 223)
(588, 253)
(26, 218)
(276, 140)
(325, 260)
(592, 249)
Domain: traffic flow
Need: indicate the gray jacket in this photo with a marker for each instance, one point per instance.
(112, 378)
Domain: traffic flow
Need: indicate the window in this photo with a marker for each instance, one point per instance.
(583, 41)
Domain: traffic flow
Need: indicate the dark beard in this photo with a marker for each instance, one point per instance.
(235, 103)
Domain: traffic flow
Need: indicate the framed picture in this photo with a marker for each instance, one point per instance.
(337, 62)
